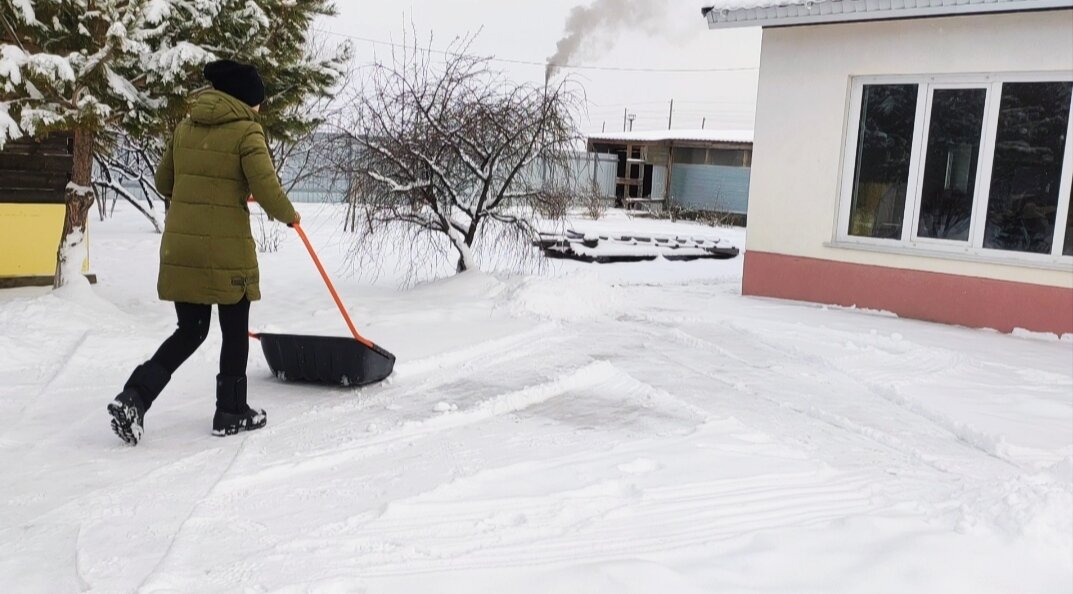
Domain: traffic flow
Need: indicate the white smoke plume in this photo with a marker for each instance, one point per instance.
(588, 26)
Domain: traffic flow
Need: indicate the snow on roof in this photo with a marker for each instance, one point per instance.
(719, 5)
(781, 13)
(743, 136)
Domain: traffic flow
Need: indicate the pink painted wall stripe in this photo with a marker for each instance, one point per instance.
(946, 298)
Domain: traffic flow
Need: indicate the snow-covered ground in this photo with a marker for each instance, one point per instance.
(618, 429)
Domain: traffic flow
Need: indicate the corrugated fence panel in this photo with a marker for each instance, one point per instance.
(711, 187)
(606, 176)
(582, 170)
(659, 182)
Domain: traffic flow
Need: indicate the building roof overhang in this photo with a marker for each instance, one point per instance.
(724, 14)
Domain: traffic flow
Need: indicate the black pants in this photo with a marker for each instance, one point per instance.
(194, 327)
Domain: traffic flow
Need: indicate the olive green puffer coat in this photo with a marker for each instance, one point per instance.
(217, 158)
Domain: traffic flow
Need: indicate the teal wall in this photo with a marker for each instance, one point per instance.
(711, 187)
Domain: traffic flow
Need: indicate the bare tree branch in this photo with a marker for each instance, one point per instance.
(449, 145)
(106, 182)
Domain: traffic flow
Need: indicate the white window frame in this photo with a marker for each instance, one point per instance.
(957, 249)
(1064, 191)
(916, 186)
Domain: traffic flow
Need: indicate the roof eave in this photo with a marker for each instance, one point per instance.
(675, 141)
(855, 11)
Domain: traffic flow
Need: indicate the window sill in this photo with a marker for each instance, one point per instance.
(1059, 263)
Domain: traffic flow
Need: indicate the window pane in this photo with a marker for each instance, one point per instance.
(726, 157)
(884, 146)
(1029, 147)
(1067, 250)
(957, 117)
(689, 156)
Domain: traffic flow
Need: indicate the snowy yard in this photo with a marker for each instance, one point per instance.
(619, 429)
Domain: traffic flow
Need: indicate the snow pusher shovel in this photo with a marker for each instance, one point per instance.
(326, 359)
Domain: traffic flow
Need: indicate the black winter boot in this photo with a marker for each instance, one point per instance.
(233, 415)
(128, 408)
(128, 414)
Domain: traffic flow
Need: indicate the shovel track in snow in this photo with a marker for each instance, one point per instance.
(602, 522)
(360, 445)
(963, 435)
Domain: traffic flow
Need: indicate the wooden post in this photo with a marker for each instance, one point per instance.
(670, 172)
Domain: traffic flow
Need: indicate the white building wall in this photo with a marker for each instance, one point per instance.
(802, 107)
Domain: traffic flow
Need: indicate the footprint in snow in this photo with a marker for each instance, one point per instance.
(639, 466)
(443, 407)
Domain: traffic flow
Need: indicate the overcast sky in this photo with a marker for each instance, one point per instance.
(668, 34)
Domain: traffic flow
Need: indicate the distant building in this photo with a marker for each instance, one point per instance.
(914, 157)
(702, 170)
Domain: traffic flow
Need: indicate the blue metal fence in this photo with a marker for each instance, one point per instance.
(711, 188)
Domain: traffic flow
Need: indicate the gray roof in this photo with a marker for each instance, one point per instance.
(781, 13)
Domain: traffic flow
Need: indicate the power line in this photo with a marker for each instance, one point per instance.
(540, 64)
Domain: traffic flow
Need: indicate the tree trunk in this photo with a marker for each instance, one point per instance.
(463, 257)
(79, 201)
(463, 244)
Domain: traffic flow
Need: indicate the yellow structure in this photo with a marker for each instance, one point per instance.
(29, 237)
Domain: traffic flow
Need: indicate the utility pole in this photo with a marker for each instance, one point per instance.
(703, 122)
(603, 127)
(670, 116)
(625, 114)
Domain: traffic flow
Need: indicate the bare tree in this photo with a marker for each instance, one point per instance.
(447, 149)
(307, 156)
(125, 171)
(267, 234)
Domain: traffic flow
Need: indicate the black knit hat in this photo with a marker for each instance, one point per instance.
(239, 80)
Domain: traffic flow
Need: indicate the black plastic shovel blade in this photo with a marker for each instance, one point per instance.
(326, 359)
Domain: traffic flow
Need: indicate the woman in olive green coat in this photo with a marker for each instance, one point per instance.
(216, 159)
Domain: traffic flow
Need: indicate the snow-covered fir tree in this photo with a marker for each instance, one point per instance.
(98, 68)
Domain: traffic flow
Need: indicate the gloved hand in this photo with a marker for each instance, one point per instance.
(297, 220)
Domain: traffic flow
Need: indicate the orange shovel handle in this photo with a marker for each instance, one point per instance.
(331, 288)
